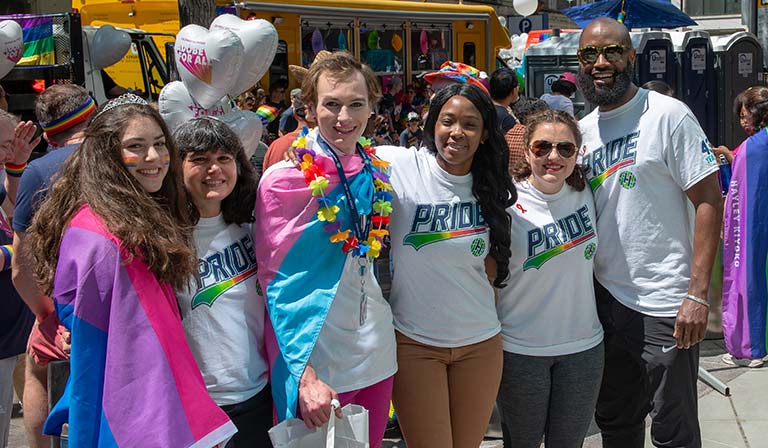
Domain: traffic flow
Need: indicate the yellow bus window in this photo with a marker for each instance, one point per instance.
(382, 46)
(325, 34)
(279, 67)
(430, 46)
(469, 54)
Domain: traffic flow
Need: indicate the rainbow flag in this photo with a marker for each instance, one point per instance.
(267, 113)
(39, 47)
(745, 251)
(133, 381)
(298, 267)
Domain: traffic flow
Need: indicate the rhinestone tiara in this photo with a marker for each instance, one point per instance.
(122, 100)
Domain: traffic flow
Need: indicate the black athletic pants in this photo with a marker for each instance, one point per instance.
(645, 374)
(253, 419)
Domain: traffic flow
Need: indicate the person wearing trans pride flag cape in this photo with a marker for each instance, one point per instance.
(331, 333)
(108, 250)
(745, 238)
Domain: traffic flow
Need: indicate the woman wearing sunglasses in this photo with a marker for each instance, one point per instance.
(551, 335)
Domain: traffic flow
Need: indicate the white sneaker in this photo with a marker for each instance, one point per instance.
(742, 362)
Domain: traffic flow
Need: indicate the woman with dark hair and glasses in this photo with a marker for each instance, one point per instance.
(222, 307)
(745, 238)
(450, 245)
(552, 338)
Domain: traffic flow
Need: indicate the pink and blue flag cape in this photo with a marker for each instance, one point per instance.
(133, 381)
(299, 268)
(745, 287)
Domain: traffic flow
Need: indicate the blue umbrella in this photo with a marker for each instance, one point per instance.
(638, 13)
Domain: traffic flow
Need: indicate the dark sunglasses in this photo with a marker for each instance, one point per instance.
(612, 53)
(542, 148)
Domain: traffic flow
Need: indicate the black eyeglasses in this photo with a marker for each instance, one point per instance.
(612, 53)
(542, 148)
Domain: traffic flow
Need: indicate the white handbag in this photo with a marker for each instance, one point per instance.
(349, 431)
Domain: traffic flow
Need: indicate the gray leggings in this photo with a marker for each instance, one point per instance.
(550, 396)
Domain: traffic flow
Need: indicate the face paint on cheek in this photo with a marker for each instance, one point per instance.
(167, 160)
(130, 161)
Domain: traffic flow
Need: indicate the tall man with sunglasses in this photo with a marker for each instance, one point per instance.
(652, 173)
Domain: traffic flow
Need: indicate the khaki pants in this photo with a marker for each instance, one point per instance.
(444, 397)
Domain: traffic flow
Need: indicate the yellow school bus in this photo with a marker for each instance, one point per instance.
(158, 18)
(396, 38)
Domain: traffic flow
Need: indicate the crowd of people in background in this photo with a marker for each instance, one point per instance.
(558, 269)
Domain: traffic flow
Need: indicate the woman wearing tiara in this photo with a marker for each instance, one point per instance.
(109, 250)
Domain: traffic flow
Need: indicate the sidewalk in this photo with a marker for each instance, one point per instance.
(740, 420)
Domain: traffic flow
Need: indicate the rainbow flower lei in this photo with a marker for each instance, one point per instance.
(382, 199)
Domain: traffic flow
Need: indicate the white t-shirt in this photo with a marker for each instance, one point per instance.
(440, 294)
(548, 306)
(223, 315)
(641, 158)
(348, 356)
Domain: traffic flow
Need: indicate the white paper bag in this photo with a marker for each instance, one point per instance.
(351, 431)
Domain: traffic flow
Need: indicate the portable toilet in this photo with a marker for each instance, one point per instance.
(655, 58)
(696, 82)
(738, 66)
(546, 61)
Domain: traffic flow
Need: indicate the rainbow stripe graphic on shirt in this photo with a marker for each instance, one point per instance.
(610, 158)
(433, 223)
(222, 270)
(553, 239)
(209, 295)
(597, 181)
(419, 240)
(543, 257)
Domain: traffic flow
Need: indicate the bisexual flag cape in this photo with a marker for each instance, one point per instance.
(299, 267)
(745, 292)
(133, 381)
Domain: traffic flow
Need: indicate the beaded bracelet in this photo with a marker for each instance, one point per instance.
(698, 300)
(7, 252)
(15, 170)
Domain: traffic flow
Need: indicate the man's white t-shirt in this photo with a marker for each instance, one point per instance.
(440, 294)
(349, 356)
(640, 160)
(223, 315)
(548, 306)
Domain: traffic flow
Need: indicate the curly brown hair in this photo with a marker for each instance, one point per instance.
(523, 170)
(157, 224)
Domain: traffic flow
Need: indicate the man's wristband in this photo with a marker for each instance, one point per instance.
(15, 170)
(698, 300)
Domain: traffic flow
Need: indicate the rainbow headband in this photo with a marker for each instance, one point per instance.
(70, 119)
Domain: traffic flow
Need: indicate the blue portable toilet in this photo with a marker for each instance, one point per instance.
(655, 58)
(738, 66)
(696, 82)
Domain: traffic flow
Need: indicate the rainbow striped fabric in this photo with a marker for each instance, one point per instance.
(133, 381)
(39, 47)
(298, 267)
(745, 251)
(267, 113)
